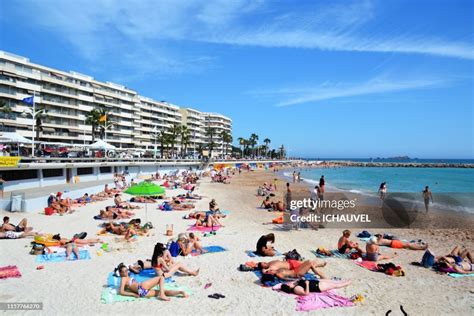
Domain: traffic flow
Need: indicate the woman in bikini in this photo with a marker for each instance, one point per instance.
(163, 264)
(305, 287)
(458, 261)
(188, 243)
(292, 268)
(130, 287)
(207, 220)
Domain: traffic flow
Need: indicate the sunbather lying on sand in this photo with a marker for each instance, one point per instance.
(203, 214)
(292, 268)
(305, 287)
(123, 204)
(207, 220)
(344, 245)
(15, 235)
(395, 243)
(189, 242)
(72, 245)
(190, 196)
(109, 214)
(21, 227)
(164, 266)
(130, 287)
(459, 260)
(372, 248)
(142, 199)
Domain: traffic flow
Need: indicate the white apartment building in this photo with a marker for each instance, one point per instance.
(217, 123)
(68, 98)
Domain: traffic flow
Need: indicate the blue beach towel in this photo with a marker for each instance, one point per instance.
(114, 281)
(60, 257)
(252, 254)
(460, 275)
(258, 273)
(335, 254)
(210, 249)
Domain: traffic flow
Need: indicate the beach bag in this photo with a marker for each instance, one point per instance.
(293, 255)
(428, 259)
(174, 249)
(37, 249)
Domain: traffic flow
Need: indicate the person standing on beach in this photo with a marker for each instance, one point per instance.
(2, 184)
(322, 185)
(299, 176)
(294, 176)
(427, 196)
(275, 181)
(288, 196)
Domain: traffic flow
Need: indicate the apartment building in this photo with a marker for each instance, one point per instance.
(214, 125)
(69, 97)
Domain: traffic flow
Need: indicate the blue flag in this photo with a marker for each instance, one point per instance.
(29, 100)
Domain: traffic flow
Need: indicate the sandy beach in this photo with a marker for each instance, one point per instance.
(74, 288)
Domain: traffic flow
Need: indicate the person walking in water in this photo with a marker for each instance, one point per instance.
(294, 176)
(427, 196)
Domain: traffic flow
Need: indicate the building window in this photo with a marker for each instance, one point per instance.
(13, 175)
(105, 170)
(50, 173)
(84, 171)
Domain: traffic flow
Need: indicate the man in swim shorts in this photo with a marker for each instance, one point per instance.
(398, 244)
(21, 227)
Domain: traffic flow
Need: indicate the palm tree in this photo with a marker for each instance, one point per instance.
(266, 141)
(92, 119)
(42, 113)
(104, 124)
(226, 139)
(282, 152)
(5, 108)
(185, 140)
(174, 131)
(210, 132)
(241, 141)
(164, 140)
(253, 141)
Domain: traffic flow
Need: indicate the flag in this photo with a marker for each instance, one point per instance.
(29, 100)
(103, 118)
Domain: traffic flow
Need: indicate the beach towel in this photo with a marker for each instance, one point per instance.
(110, 294)
(60, 257)
(203, 228)
(114, 281)
(335, 254)
(315, 301)
(252, 254)
(9, 272)
(258, 273)
(460, 275)
(210, 249)
(369, 265)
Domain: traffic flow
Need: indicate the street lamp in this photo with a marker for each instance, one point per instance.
(34, 114)
(155, 134)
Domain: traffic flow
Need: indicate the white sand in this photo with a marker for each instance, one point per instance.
(73, 288)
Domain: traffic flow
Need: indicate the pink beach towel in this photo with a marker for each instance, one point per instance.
(315, 301)
(9, 272)
(203, 228)
(369, 265)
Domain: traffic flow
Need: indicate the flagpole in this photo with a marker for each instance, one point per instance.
(33, 117)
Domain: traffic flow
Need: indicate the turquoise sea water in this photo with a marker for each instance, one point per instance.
(458, 182)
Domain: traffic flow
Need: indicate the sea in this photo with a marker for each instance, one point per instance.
(452, 188)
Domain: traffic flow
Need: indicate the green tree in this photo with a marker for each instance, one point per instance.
(104, 124)
(267, 142)
(282, 152)
(210, 132)
(185, 140)
(174, 132)
(42, 114)
(164, 140)
(226, 139)
(6, 109)
(92, 119)
(253, 142)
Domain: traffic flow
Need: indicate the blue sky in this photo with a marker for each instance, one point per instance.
(324, 78)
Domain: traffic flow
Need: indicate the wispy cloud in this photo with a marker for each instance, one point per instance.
(329, 91)
(152, 33)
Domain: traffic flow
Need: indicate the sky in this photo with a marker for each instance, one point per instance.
(340, 79)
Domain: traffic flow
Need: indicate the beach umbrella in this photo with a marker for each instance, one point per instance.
(100, 144)
(145, 188)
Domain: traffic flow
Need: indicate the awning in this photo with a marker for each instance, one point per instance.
(49, 130)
